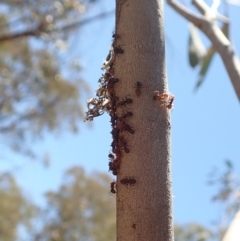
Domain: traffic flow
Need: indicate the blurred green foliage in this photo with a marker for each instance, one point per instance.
(198, 55)
(40, 85)
(192, 232)
(227, 195)
(15, 210)
(81, 209)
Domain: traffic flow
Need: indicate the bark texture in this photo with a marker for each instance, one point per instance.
(144, 198)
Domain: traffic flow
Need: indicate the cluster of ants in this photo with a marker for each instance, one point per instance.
(166, 99)
(107, 101)
(125, 181)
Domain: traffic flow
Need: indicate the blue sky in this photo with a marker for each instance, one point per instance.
(205, 124)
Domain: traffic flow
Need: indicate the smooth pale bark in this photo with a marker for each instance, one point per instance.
(144, 209)
(207, 24)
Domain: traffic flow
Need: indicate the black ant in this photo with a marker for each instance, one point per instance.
(138, 87)
(118, 50)
(112, 187)
(128, 181)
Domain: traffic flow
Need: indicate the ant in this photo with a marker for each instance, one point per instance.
(111, 156)
(128, 181)
(118, 50)
(112, 187)
(113, 80)
(115, 35)
(170, 103)
(101, 80)
(113, 118)
(166, 99)
(128, 114)
(128, 129)
(107, 75)
(115, 133)
(122, 126)
(111, 83)
(114, 146)
(138, 87)
(113, 166)
(125, 101)
(124, 143)
(113, 99)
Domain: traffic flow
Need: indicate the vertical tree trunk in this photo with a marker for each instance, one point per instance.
(144, 199)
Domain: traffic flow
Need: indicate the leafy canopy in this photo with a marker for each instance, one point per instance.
(40, 84)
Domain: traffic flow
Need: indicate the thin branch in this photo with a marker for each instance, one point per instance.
(215, 4)
(209, 12)
(201, 6)
(41, 28)
(85, 21)
(27, 33)
(186, 13)
(222, 18)
(218, 39)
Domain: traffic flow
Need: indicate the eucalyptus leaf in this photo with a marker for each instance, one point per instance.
(196, 49)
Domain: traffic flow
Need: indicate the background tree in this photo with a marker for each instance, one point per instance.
(40, 86)
(216, 27)
(207, 22)
(228, 195)
(81, 209)
(192, 232)
(16, 211)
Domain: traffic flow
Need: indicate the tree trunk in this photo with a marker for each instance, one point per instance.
(144, 198)
(232, 233)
